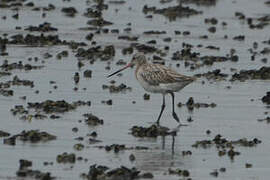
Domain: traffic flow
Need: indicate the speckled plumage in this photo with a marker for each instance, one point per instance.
(158, 78)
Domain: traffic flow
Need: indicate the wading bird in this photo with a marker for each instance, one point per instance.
(156, 78)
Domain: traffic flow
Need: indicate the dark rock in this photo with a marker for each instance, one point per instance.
(154, 32)
(223, 143)
(212, 29)
(190, 104)
(27, 67)
(25, 163)
(116, 89)
(78, 147)
(267, 119)
(146, 96)
(214, 173)
(144, 48)
(6, 92)
(248, 165)
(147, 175)
(179, 172)
(92, 120)
(128, 38)
(10, 141)
(4, 134)
(266, 98)
(128, 50)
(50, 106)
(26, 173)
(99, 22)
(132, 157)
(213, 75)
(95, 53)
(93, 141)
(239, 38)
(262, 73)
(45, 27)
(213, 21)
(62, 54)
(200, 2)
(87, 73)
(152, 131)
(186, 153)
(35, 136)
(172, 12)
(66, 158)
(69, 11)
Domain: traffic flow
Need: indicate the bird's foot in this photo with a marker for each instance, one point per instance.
(157, 123)
(177, 119)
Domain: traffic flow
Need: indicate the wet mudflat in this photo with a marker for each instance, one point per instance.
(62, 118)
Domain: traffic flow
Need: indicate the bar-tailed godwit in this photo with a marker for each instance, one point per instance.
(157, 78)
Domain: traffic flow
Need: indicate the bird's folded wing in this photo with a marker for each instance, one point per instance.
(157, 74)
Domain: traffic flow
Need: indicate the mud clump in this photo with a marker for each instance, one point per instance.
(47, 107)
(32, 136)
(50, 106)
(45, 27)
(172, 12)
(3, 73)
(200, 2)
(190, 104)
(27, 67)
(152, 131)
(25, 172)
(35, 136)
(120, 147)
(18, 82)
(78, 147)
(66, 158)
(179, 172)
(69, 11)
(195, 61)
(99, 22)
(4, 134)
(128, 38)
(103, 172)
(87, 73)
(152, 32)
(4, 92)
(146, 96)
(225, 146)
(92, 120)
(263, 73)
(96, 52)
(35, 40)
(144, 48)
(267, 120)
(215, 75)
(115, 147)
(266, 98)
(116, 89)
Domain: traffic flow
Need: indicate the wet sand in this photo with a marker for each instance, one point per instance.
(236, 115)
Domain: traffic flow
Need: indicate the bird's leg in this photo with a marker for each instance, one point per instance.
(173, 112)
(162, 109)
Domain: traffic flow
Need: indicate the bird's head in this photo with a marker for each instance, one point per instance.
(137, 60)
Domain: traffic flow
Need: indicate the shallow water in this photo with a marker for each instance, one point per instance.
(234, 117)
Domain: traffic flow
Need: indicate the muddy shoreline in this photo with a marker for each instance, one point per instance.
(62, 118)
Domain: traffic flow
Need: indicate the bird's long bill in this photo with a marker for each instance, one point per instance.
(127, 66)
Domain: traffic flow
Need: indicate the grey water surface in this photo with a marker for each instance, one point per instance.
(235, 116)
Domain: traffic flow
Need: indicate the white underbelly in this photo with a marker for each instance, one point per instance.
(162, 88)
